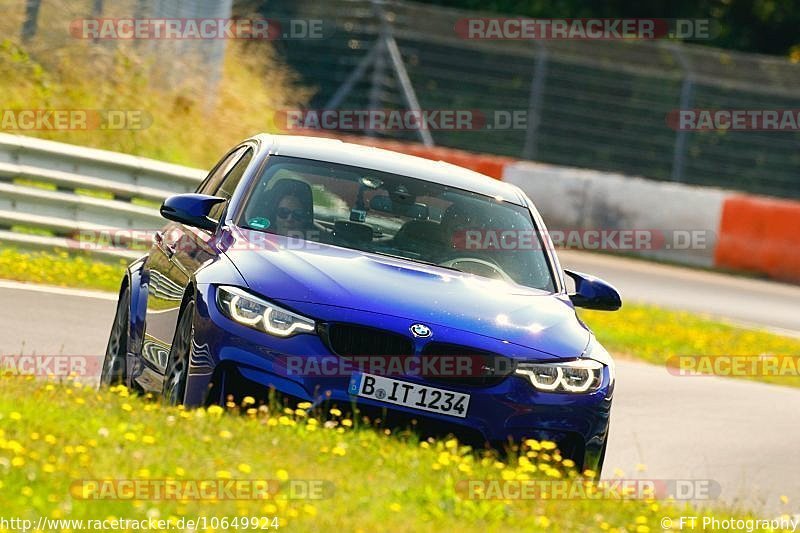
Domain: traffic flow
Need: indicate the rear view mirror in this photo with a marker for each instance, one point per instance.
(593, 293)
(384, 204)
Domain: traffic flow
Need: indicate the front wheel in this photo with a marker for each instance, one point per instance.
(115, 362)
(177, 371)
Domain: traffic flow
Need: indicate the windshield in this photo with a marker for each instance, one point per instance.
(395, 215)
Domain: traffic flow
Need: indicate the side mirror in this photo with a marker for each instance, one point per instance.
(593, 293)
(191, 209)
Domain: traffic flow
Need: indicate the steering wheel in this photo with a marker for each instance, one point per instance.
(482, 262)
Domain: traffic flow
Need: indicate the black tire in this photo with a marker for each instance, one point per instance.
(602, 459)
(115, 363)
(175, 377)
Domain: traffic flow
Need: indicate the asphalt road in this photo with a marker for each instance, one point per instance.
(747, 301)
(742, 435)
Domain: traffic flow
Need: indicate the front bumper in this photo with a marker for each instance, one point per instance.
(511, 410)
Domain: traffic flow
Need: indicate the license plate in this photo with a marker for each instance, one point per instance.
(407, 394)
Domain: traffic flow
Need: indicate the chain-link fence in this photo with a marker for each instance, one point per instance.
(596, 104)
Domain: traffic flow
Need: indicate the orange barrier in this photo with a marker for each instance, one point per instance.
(760, 234)
(491, 165)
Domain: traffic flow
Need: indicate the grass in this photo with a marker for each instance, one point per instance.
(61, 268)
(187, 121)
(375, 480)
(654, 335)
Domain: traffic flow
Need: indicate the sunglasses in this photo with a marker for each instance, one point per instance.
(297, 214)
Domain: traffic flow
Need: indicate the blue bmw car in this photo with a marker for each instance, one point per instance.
(349, 276)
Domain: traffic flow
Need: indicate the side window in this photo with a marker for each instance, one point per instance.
(229, 183)
(212, 182)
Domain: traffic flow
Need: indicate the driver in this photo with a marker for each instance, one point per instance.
(474, 216)
(457, 219)
(290, 208)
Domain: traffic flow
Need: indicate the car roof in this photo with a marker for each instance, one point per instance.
(336, 151)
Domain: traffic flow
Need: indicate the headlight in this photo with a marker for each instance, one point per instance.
(250, 310)
(578, 376)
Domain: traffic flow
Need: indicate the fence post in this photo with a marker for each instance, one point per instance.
(31, 19)
(407, 89)
(687, 88)
(530, 148)
(378, 74)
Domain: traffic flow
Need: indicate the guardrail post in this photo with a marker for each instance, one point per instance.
(687, 89)
(530, 148)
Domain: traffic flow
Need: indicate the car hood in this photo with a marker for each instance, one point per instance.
(314, 273)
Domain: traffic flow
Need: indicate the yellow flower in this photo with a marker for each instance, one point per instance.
(223, 474)
(548, 445)
(127, 407)
(347, 422)
(310, 510)
(304, 405)
(282, 474)
(533, 444)
(215, 410)
(15, 416)
(335, 412)
(396, 507)
(784, 500)
(248, 400)
(225, 434)
(450, 444)
(245, 468)
(149, 439)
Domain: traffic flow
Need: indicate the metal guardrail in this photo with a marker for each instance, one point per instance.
(50, 192)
